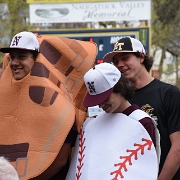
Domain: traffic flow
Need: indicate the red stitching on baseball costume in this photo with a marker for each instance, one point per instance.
(122, 165)
(81, 154)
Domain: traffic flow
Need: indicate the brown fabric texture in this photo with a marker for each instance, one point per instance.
(38, 111)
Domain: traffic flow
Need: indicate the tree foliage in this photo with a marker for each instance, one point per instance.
(166, 25)
(166, 30)
(12, 19)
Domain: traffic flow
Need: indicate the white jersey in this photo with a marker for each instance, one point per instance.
(113, 146)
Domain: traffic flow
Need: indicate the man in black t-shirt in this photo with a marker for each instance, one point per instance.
(158, 99)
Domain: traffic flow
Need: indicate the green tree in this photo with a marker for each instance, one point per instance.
(166, 26)
(12, 19)
(18, 11)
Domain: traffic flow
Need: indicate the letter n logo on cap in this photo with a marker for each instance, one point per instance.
(91, 87)
(16, 40)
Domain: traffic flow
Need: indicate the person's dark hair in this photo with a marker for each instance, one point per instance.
(35, 54)
(124, 87)
(148, 60)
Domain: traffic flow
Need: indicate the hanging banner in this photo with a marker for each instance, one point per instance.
(90, 12)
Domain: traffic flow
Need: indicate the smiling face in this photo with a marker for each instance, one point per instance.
(128, 64)
(21, 63)
(115, 103)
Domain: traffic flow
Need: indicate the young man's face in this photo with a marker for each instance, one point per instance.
(21, 63)
(128, 64)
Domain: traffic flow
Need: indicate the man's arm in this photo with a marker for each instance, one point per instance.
(58, 163)
(172, 162)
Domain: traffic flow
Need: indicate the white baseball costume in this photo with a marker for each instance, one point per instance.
(113, 147)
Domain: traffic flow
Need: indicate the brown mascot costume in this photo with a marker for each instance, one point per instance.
(38, 111)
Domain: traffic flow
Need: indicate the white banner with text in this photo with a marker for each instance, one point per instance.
(90, 12)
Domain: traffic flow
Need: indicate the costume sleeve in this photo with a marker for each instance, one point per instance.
(149, 126)
(172, 109)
